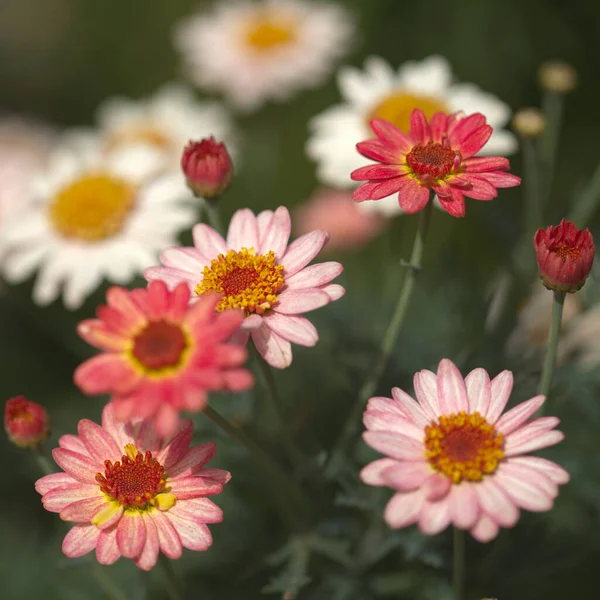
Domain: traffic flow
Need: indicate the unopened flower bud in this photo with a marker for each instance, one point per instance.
(529, 122)
(26, 422)
(207, 167)
(564, 255)
(558, 76)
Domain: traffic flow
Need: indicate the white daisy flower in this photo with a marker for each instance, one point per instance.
(93, 217)
(379, 91)
(266, 50)
(163, 123)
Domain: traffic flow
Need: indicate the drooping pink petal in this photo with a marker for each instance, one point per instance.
(314, 275)
(397, 446)
(451, 389)
(502, 386)
(479, 391)
(149, 555)
(412, 196)
(168, 538)
(434, 517)
(524, 493)
(496, 503)
(388, 187)
(436, 487)
(78, 466)
(106, 372)
(277, 233)
(464, 505)
(485, 529)
(272, 347)
(107, 550)
(131, 534)
(243, 230)
(295, 329)
(403, 509)
(519, 470)
(515, 417)
(198, 510)
(80, 540)
(455, 204)
(302, 250)
(194, 536)
(390, 135)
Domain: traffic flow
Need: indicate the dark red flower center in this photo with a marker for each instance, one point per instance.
(133, 482)
(565, 251)
(432, 160)
(159, 345)
(239, 280)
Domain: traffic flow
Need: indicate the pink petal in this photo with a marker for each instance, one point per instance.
(208, 241)
(554, 472)
(293, 302)
(168, 538)
(83, 511)
(198, 510)
(403, 509)
(251, 322)
(419, 129)
(314, 276)
(119, 431)
(464, 505)
(98, 443)
(193, 461)
(390, 135)
(370, 172)
(479, 188)
(425, 383)
(131, 534)
(531, 474)
(479, 391)
(73, 443)
(277, 233)
(172, 277)
(217, 475)
(80, 540)
(525, 494)
(334, 291)
(412, 409)
(392, 423)
(496, 503)
(177, 448)
(106, 373)
(481, 164)
(515, 417)
(365, 191)
(473, 143)
(454, 205)
(406, 476)
(96, 333)
(380, 403)
(166, 420)
(533, 436)
(485, 529)
(107, 551)
(372, 474)
(78, 466)
(57, 499)
(243, 230)
(54, 481)
(147, 438)
(434, 517)
(185, 488)
(463, 127)
(297, 330)
(395, 445)
(451, 389)
(413, 196)
(194, 536)
(157, 300)
(503, 180)
(179, 301)
(120, 299)
(436, 487)
(375, 150)
(263, 219)
(273, 348)
(388, 187)
(439, 126)
(301, 251)
(184, 259)
(149, 555)
(502, 386)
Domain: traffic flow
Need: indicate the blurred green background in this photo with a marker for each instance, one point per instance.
(60, 58)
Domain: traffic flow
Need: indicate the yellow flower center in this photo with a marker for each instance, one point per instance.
(463, 446)
(159, 348)
(247, 280)
(149, 134)
(267, 31)
(397, 108)
(92, 208)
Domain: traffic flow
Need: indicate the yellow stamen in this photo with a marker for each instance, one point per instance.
(164, 501)
(398, 106)
(131, 451)
(92, 208)
(266, 32)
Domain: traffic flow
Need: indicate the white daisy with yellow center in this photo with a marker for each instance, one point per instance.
(162, 124)
(380, 91)
(94, 217)
(267, 50)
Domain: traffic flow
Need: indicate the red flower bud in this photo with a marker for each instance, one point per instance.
(207, 167)
(564, 255)
(26, 422)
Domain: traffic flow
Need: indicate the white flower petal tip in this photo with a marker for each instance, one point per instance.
(451, 465)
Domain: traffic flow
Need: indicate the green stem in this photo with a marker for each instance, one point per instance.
(285, 430)
(173, 584)
(286, 492)
(458, 564)
(213, 214)
(552, 106)
(349, 430)
(585, 207)
(43, 461)
(531, 181)
(553, 335)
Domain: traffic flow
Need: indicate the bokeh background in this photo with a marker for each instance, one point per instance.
(60, 58)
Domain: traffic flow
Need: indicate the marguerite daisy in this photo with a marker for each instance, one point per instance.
(267, 50)
(94, 217)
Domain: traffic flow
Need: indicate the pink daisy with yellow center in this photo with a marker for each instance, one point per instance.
(161, 355)
(436, 156)
(132, 493)
(256, 270)
(453, 457)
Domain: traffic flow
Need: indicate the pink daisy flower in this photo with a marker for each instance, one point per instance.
(160, 355)
(256, 270)
(438, 156)
(454, 458)
(132, 493)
